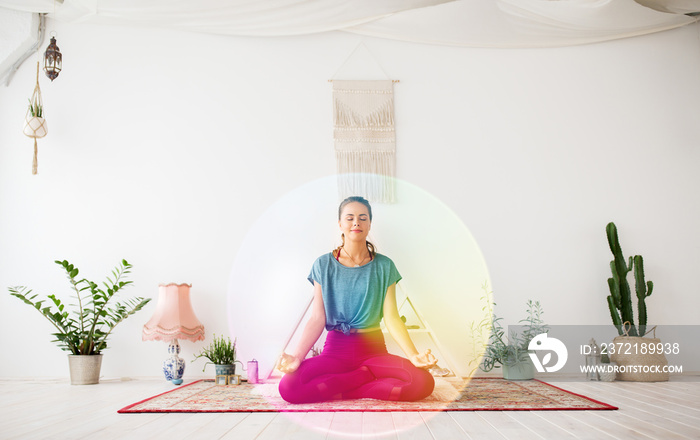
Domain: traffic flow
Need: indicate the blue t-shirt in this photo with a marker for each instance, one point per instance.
(353, 297)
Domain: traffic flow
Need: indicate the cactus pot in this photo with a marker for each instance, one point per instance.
(638, 363)
(522, 370)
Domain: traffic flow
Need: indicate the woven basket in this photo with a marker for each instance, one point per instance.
(84, 369)
(639, 365)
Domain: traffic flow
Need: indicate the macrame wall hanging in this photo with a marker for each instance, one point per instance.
(363, 129)
(365, 139)
(34, 122)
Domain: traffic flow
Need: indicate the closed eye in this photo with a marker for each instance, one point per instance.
(362, 218)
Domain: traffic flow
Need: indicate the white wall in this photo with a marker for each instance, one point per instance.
(165, 147)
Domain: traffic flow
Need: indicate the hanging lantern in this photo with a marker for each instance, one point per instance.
(53, 60)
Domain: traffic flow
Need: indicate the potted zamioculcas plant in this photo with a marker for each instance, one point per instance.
(83, 331)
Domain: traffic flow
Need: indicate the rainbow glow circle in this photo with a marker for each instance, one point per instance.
(444, 272)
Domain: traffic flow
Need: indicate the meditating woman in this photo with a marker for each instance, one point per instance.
(353, 288)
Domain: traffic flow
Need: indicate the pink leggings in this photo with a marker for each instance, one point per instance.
(355, 366)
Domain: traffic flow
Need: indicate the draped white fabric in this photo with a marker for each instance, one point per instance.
(227, 17)
(470, 23)
(523, 23)
(672, 6)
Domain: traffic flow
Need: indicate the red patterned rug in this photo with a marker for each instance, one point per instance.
(449, 395)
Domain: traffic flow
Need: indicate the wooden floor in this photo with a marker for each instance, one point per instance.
(57, 410)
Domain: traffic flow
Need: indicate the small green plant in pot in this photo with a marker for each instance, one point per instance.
(222, 353)
(83, 331)
(607, 374)
(509, 351)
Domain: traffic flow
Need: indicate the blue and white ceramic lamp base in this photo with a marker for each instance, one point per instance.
(174, 366)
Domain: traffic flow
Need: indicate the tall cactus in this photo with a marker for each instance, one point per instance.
(620, 298)
(643, 290)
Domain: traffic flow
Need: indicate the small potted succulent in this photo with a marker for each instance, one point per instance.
(607, 373)
(35, 124)
(222, 353)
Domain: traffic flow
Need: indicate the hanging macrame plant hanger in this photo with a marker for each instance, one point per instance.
(34, 122)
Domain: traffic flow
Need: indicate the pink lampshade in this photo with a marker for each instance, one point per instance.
(174, 317)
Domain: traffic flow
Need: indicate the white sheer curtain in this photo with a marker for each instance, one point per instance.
(672, 6)
(523, 23)
(472, 23)
(587, 21)
(227, 17)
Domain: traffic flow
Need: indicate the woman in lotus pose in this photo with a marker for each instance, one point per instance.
(353, 288)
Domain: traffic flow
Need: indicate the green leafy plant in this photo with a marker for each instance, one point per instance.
(219, 352)
(499, 349)
(620, 298)
(35, 109)
(93, 318)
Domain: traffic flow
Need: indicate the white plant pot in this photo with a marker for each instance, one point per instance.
(523, 370)
(84, 369)
(35, 127)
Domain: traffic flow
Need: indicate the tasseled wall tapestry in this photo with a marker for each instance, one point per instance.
(365, 140)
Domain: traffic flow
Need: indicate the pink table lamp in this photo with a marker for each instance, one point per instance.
(173, 319)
